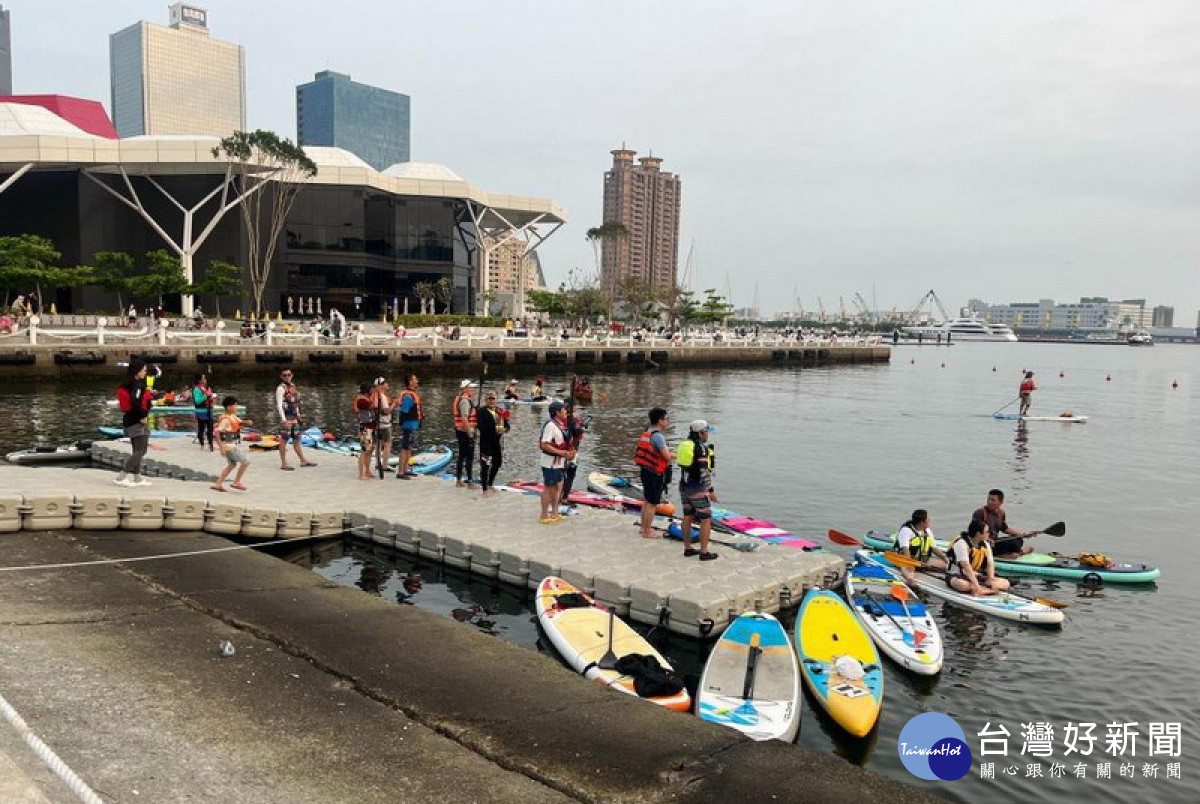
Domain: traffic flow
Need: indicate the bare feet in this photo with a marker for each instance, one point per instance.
(238, 486)
(218, 487)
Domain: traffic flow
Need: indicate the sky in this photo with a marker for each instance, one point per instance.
(1005, 151)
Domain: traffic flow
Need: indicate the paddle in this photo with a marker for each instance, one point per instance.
(1057, 529)
(744, 547)
(747, 707)
(609, 660)
(886, 613)
(901, 594)
(1017, 397)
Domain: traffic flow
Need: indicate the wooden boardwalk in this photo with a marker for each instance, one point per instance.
(600, 551)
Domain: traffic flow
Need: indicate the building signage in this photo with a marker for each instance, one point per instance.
(189, 15)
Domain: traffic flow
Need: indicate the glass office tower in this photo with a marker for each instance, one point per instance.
(369, 122)
(5, 54)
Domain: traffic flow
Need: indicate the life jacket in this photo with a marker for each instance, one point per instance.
(461, 423)
(291, 403)
(920, 547)
(1027, 386)
(234, 433)
(978, 554)
(648, 457)
(201, 398)
(414, 414)
(364, 414)
(694, 457)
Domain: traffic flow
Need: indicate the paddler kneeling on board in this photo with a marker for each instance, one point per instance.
(916, 540)
(972, 568)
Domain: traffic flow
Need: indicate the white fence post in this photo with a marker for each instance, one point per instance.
(162, 331)
(33, 325)
(101, 323)
(220, 331)
(270, 331)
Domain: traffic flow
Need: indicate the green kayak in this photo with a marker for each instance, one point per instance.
(1046, 564)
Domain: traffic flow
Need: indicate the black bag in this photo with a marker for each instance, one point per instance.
(572, 600)
(650, 679)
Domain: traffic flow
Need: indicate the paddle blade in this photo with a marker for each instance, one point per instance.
(918, 638)
(1054, 604)
(1057, 529)
(901, 560)
(837, 537)
(900, 592)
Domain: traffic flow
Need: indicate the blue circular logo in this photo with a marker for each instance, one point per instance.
(933, 746)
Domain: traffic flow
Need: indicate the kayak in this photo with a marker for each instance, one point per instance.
(1071, 419)
(839, 662)
(751, 681)
(47, 454)
(1005, 605)
(583, 633)
(1049, 565)
(893, 624)
(629, 488)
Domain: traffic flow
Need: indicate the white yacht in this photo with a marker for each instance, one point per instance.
(964, 328)
(1140, 338)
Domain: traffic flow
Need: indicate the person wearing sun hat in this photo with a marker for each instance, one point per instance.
(697, 459)
(464, 431)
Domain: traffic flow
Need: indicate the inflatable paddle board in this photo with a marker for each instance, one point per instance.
(839, 662)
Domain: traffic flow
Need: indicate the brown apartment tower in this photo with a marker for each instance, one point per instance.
(645, 199)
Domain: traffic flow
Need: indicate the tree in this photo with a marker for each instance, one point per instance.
(489, 299)
(605, 234)
(547, 302)
(221, 279)
(114, 273)
(23, 262)
(266, 211)
(443, 291)
(425, 292)
(638, 298)
(715, 308)
(164, 276)
(682, 307)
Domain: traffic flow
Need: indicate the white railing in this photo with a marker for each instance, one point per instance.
(163, 333)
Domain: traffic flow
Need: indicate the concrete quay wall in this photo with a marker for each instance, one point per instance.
(89, 359)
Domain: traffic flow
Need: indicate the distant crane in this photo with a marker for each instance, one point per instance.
(821, 307)
(863, 310)
(932, 298)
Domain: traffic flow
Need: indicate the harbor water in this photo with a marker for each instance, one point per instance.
(857, 448)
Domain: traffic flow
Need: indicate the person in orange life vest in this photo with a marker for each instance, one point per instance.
(654, 459)
(410, 422)
(1028, 386)
(464, 430)
(229, 435)
(972, 566)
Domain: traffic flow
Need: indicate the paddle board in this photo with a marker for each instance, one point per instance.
(180, 409)
(839, 662)
(34, 456)
(894, 625)
(1051, 565)
(119, 432)
(767, 531)
(582, 636)
(751, 681)
(1005, 605)
(1019, 417)
(625, 487)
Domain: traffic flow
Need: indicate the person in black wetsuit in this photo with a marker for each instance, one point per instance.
(491, 424)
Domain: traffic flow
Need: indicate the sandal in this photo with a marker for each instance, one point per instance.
(307, 464)
(240, 487)
(288, 468)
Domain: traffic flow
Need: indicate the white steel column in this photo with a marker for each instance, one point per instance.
(11, 180)
(493, 234)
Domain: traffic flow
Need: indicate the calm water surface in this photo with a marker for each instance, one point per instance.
(857, 448)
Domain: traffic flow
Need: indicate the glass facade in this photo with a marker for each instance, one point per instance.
(369, 122)
(5, 54)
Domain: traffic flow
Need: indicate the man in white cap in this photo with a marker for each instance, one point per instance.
(697, 459)
(464, 431)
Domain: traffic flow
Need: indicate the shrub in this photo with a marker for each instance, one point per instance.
(417, 321)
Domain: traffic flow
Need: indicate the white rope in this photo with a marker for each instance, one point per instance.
(46, 754)
(98, 562)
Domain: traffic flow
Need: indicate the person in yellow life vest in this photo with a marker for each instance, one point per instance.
(697, 460)
(915, 538)
(654, 460)
(973, 569)
(464, 430)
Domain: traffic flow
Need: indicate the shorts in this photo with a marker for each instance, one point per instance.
(408, 438)
(551, 477)
(653, 486)
(236, 456)
(384, 435)
(289, 430)
(696, 505)
(366, 437)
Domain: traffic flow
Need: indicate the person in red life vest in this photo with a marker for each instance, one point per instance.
(229, 435)
(410, 423)
(133, 398)
(463, 410)
(1028, 386)
(654, 459)
(364, 415)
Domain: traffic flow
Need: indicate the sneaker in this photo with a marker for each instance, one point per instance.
(709, 556)
(690, 552)
(122, 479)
(140, 481)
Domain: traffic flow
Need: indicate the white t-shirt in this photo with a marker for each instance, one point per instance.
(906, 536)
(962, 554)
(553, 435)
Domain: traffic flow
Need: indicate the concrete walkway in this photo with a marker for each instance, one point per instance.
(333, 695)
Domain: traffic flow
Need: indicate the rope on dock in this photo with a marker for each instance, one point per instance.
(98, 562)
(46, 754)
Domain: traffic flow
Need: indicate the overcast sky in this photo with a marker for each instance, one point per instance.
(1007, 151)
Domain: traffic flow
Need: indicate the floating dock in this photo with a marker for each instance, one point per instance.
(649, 581)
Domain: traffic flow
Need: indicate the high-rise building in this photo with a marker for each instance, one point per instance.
(5, 53)
(176, 79)
(369, 122)
(512, 270)
(645, 200)
(1163, 316)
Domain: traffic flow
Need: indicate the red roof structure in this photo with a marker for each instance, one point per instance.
(88, 115)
